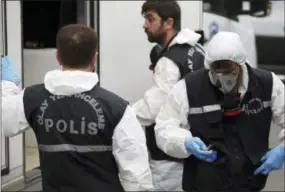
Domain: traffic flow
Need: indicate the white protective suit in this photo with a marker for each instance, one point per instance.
(167, 175)
(129, 143)
(172, 127)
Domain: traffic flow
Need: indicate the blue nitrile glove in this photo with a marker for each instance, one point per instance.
(8, 73)
(272, 160)
(197, 147)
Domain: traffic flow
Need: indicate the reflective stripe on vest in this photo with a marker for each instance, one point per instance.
(75, 148)
(216, 107)
(204, 109)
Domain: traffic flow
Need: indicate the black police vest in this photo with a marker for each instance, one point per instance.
(188, 59)
(74, 135)
(240, 140)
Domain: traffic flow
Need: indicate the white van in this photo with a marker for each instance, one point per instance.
(260, 24)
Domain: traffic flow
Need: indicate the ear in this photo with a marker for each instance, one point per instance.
(93, 60)
(169, 23)
(58, 58)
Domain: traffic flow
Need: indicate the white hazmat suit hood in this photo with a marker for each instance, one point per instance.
(228, 46)
(225, 46)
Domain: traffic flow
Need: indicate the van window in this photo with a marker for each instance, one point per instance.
(225, 8)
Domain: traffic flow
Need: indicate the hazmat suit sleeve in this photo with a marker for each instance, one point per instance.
(172, 126)
(130, 152)
(165, 76)
(278, 104)
(13, 116)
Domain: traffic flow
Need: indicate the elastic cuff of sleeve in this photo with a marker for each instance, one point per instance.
(189, 136)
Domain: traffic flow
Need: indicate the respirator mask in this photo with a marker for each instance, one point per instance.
(227, 83)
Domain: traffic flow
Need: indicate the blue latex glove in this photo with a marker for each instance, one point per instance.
(8, 73)
(197, 147)
(272, 160)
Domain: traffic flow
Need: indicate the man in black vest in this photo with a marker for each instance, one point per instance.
(181, 54)
(89, 138)
(219, 118)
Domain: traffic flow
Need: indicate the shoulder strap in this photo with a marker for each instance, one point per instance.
(266, 80)
(188, 58)
(194, 86)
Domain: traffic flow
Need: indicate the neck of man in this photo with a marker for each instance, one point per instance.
(169, 37)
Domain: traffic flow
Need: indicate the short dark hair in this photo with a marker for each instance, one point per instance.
(76, 43)
(165, 9)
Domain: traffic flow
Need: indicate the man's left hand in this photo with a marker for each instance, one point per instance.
(272, 160)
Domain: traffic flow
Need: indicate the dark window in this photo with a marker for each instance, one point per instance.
(42, 20)
(225, 8)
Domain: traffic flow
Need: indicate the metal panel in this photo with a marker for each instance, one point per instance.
(3, 48)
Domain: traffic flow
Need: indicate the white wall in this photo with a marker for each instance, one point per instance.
(15, 53)
(192, 14)
(124, 48)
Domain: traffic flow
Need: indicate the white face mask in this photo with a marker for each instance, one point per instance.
(225, 82)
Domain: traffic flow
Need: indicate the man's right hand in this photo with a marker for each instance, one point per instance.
(197, 147)
(8, 74)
